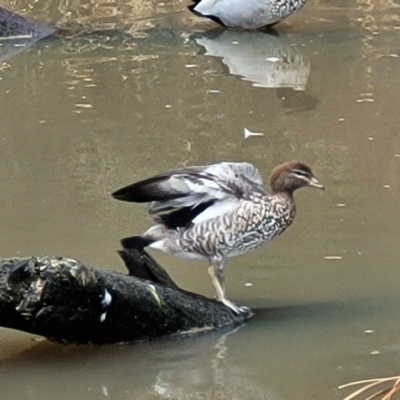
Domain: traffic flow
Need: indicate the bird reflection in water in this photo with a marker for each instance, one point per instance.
(267, 61)
(220, 380)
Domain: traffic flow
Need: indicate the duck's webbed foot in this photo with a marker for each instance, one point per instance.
(218, 280)
(237, 309)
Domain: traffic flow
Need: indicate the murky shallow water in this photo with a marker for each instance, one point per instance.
(81, 118)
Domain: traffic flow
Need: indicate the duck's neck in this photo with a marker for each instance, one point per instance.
(288, 206)
(286, 194)
(280, 187)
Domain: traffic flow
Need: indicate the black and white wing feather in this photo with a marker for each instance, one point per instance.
(194, 193)
(188, 187)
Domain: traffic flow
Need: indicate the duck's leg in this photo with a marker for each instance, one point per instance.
(221, 277)
(216, 272)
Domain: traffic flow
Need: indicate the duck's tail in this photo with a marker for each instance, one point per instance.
(192, 7)
(204, 8)
(154, 234)
(137, 242)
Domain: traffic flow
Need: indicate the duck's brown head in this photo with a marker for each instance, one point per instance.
(292, 175)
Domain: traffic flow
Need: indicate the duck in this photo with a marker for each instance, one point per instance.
(246, 14)
(217, 211)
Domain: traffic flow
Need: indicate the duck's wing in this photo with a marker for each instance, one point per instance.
(240, 174)
(193, 186)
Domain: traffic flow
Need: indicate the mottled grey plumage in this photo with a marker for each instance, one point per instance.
(246, 14)
(218, 211)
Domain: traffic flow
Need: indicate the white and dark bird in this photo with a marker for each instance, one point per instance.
(246, 14)
(218, 211)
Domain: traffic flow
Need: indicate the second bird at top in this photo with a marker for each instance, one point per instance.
(217, 211)
(246, 14)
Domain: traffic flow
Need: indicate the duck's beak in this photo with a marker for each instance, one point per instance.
(316, 184)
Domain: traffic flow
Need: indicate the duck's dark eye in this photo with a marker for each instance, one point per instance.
(302, 173)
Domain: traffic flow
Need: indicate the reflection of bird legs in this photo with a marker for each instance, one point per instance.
(217, 361)
(220, 344)
(216, 272)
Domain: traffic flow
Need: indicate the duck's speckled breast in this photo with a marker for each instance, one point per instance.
(256, 221)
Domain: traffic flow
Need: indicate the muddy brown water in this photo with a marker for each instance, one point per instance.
(81, 118)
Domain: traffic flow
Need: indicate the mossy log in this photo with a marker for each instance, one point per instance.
(65, 300)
